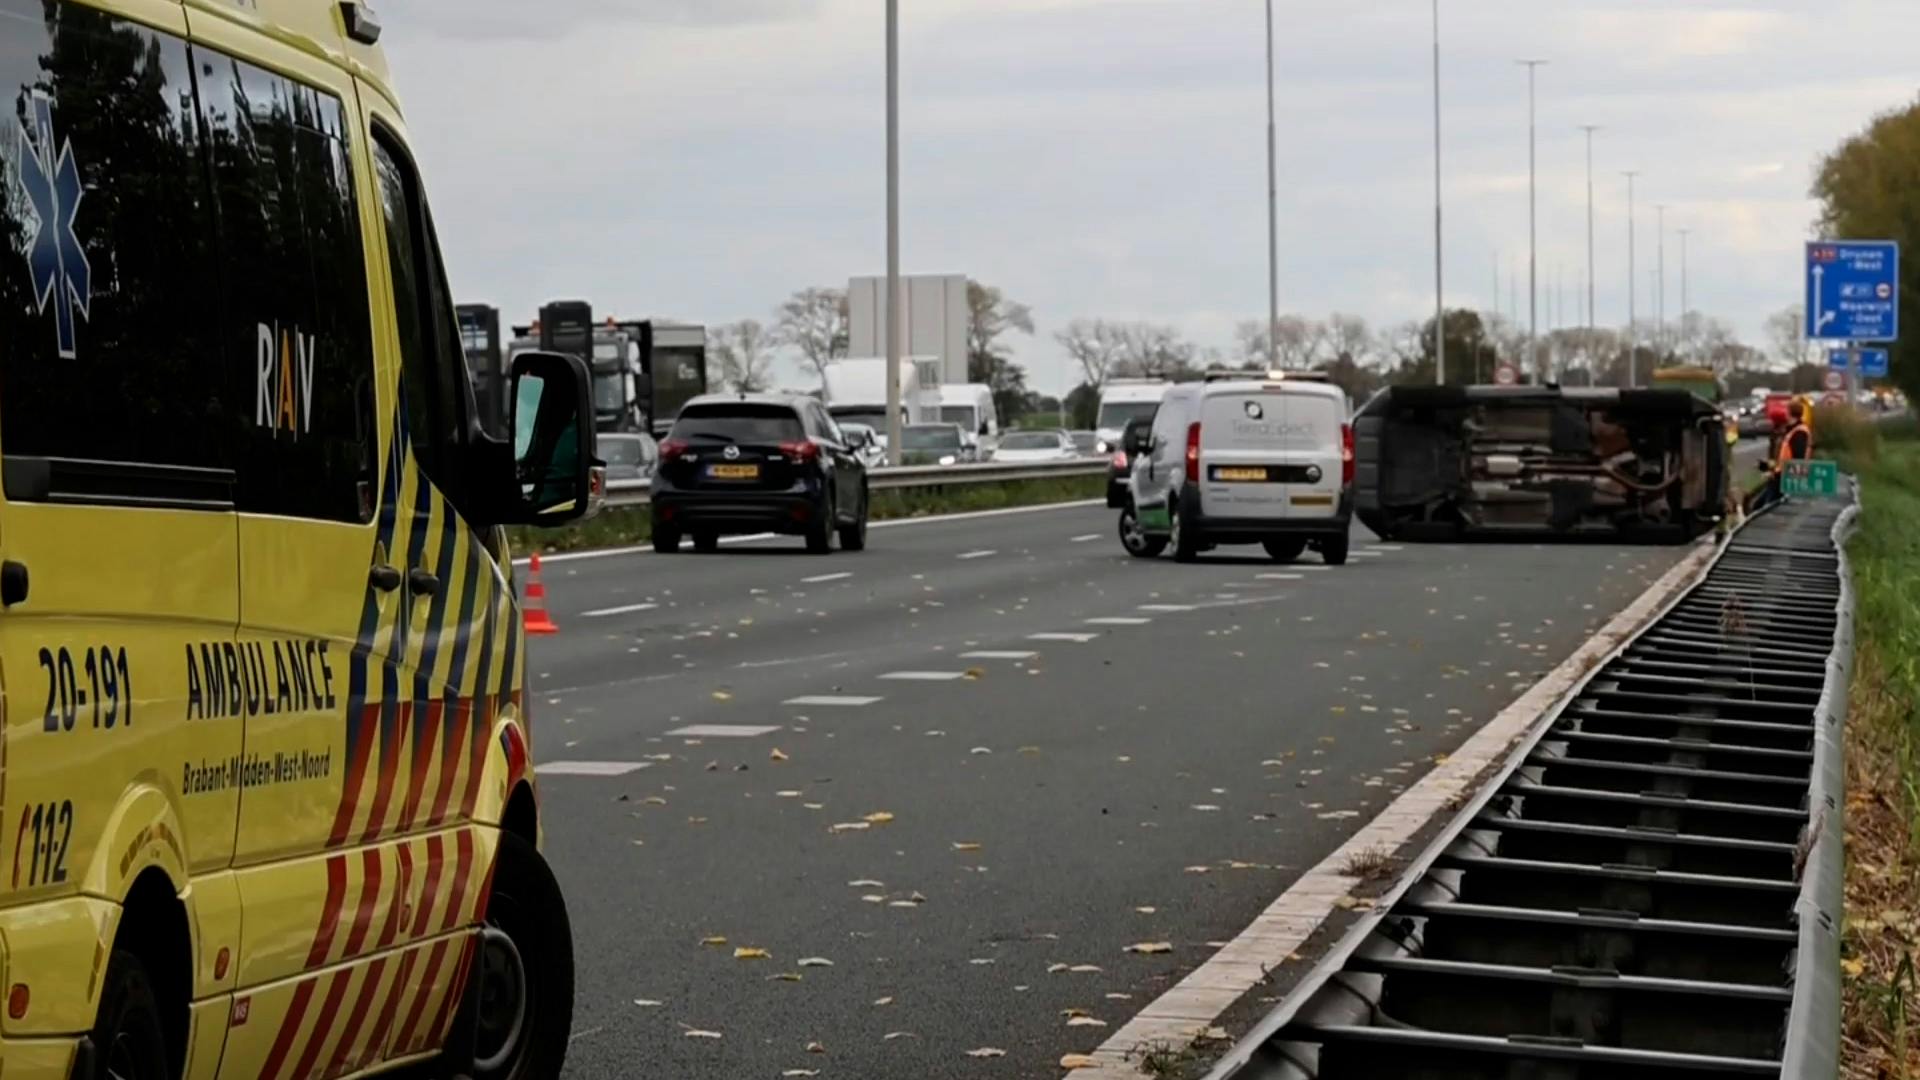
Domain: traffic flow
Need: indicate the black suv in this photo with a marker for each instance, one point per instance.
(749, 463)
(1120, 462)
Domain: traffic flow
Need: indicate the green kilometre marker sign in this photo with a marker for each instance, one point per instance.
(1817, 478)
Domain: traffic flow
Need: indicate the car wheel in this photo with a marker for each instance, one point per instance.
(521, 1010)
(1334, 550)
(1135, 538)
(1284, 550)
(666, 541)
(1186, 538)
(706, 542)
(854, 537)
(128, 1039)
(820, 529)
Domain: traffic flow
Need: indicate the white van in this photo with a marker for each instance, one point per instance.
(971, 406)
(1122, 400)
(1242, 459)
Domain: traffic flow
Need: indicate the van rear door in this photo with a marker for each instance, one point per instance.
(1271, 453)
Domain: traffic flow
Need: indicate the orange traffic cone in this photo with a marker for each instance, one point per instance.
(534, 603)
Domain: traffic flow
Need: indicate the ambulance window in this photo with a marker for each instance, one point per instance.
(111, 389)
(432, 365)
(296, 316)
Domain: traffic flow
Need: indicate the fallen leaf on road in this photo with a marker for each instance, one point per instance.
(787, 794)
(778, 754)
(1199, 869)
(866, 883)
(981, 961)
(849, 826)
(722, 695)
(1146, 910)
(696, 821)
(816, 961)
(892, 1035)
(1205, 808)
(980, 750)
(815, 805)
(874, 898)
(1078, 1061)
(1117, 996)
(744, 953)
(715, 940)
(1030, 750)
(696, 1033)
(882, 1001)
(1854, 966)
(1148, 948)
(1055, 969)
(987, 1052)
(799, 1072)
(1441, 759)
(1071, 1013)
(878, 817)
(1210, 1034)
(975, 673)
(966, 845)
(654, 800)
(1084, 969)
(648, 1003)
(815, 1048)
(1086, 1021)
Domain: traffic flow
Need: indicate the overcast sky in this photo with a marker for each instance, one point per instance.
(702, 159)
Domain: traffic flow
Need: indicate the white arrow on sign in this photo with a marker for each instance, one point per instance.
(1820, 318)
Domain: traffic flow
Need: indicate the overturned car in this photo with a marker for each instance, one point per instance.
(1447, 462)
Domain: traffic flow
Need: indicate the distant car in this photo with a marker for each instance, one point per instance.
(1085, 443)
(873, 451)
(935, 444)
(748, 463)
(629, 456)
(1120, 461)
(1027, 446)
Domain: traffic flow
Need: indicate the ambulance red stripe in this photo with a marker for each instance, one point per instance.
(369, 896)
(389, 767)
(462, 869)
(289, 1028)
(450, 760)
(342, 1061)
(422, 764)
(403, 1042)
(357, 755)
(436, 856)
(329, 912)
(323, 1023)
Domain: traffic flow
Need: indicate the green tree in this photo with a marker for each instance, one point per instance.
(991, 316)
(1869, 189)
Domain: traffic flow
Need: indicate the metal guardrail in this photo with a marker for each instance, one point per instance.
(627, 493)
(1651, 888)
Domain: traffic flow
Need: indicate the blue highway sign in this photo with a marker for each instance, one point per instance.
(1873, 362)
(1853, 290)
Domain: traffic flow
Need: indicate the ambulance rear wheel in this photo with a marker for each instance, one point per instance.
(129, 1042)
(522, 1002)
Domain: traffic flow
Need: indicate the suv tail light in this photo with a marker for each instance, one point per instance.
(1347, 463)
(674, 450)
(1193, 453)
(800, 452)
(1119, 460)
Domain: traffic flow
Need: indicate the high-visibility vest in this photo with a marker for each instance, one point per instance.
(1786, 446)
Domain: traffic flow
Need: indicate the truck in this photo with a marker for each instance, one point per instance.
(971, 406)
(643, 370)
(1122, 400)
(856, 391)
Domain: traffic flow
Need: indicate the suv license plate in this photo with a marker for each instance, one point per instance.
(734, 472)
(1258, 476)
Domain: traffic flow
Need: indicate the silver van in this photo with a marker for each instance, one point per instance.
(1244, 459)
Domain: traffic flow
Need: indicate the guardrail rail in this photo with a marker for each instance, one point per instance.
(1651, 889)
(625, 493)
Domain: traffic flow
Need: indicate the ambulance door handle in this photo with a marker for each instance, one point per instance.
(422, 583)
(383, 577)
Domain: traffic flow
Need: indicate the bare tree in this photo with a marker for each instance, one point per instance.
(1348, 337)
(1299, 341)
(990, 316)
(742, 353)
(1155, 352)
(1250, 344)
(813, 321)
(1786, 336)
(1096, 345)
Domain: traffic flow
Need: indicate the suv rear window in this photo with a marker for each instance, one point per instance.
(744, 422)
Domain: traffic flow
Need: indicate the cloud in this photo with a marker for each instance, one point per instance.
(553, 19)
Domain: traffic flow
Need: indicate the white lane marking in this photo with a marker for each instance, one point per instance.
(820, 578)
(1369, 555)
(591, 768)
(924, 676)
(1317, 569)
(628, 610)
(1168, 608)
(1119, 620)
(1079, 639)
(1386, 547)
(1246, 961)
(1279, 577)
(982, 554)
(998, 655)
(897, 523)
(725, 731)
(1088, 538)
(851, 701)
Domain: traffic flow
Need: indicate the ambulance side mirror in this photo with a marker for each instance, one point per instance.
(557, 478)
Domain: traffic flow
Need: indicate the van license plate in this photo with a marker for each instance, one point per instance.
(734, 472)
(1257, 476)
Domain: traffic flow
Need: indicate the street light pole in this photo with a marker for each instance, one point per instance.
(1439, 301)
(1590, 129)
(1533, 254)
(1685, 340)
(1273, 214)
(894, 321)
(1660, 279)
(1633, 315)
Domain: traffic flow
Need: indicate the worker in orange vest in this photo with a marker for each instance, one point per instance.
(1795, 445)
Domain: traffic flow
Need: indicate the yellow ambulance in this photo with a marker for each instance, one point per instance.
(266, 806)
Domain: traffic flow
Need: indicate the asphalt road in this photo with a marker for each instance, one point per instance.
(919, 855)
